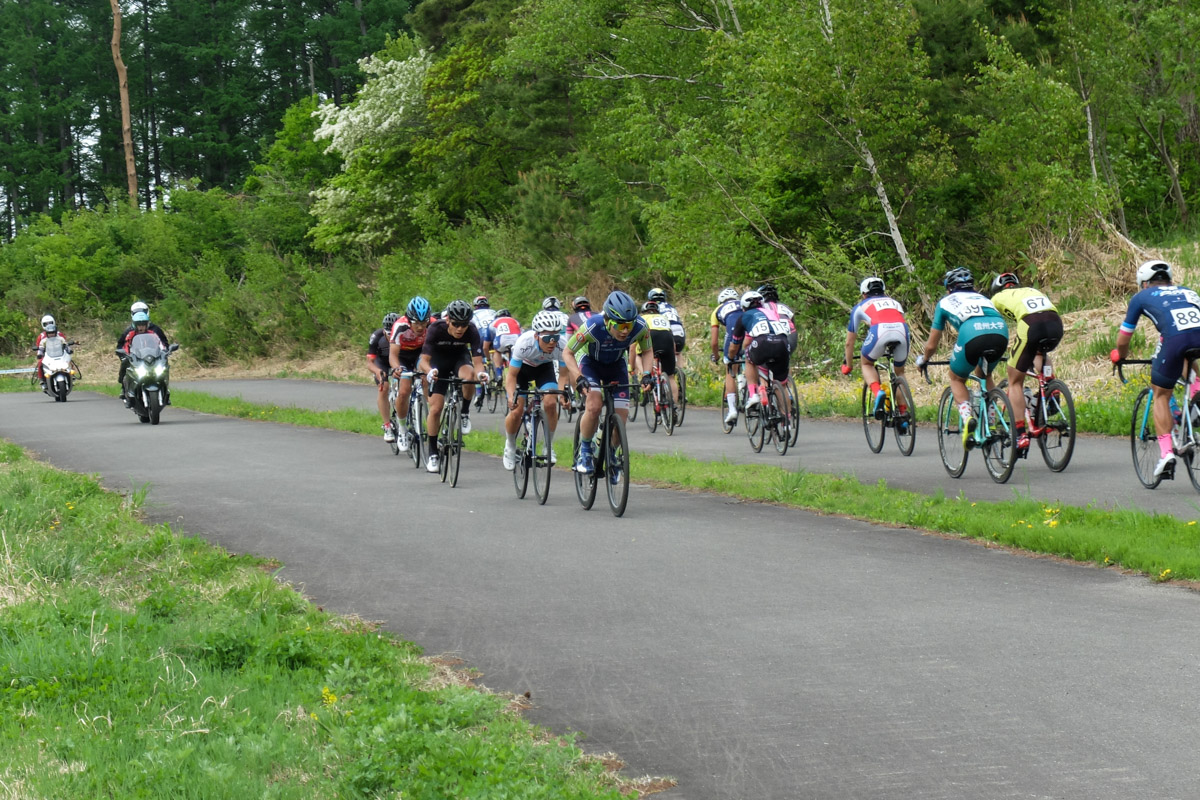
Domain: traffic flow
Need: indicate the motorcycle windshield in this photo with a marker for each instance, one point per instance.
(55, 347)
(146, 345)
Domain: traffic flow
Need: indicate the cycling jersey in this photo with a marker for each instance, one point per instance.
(502, 334)
(662, 341)
(528, 351)
(576, 320)
(482, 317)
(669, 311)
(1013, 304)
(884, 317)
(408, 339)
(726, 314)
(602, 347)
(782, 313)
(981, 329)
(1034, 319)
(756, 322)
(1175, 311)
(379, 349)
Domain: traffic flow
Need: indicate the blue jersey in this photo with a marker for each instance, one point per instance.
(1172, 309)
(601, 345)
(754, 322)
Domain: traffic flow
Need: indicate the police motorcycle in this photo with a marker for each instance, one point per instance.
(146, 376)
(59, 370)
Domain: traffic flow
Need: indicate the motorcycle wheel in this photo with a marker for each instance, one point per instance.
(154, 406)
(62, 388)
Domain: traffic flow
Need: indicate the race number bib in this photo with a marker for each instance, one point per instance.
(964, 308)
(765, 327)
(1186, 318)
(1040, 303)
(888, 304)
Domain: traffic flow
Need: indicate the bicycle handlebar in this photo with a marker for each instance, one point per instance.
(1118, 366)
(924, 368)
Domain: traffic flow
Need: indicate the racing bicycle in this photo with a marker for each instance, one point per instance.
(1185, 433)
(660, 405)
(610, 455)
(770, 421)
(898, 411)
(995, 431)
(534, 453)
(450, 435)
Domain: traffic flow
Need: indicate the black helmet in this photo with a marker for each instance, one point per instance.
(481, 301)
(504, 312)
(1004, 280)
(459, 311)
(650, 307)
(958, 279)
(389, 319)
(767, 290)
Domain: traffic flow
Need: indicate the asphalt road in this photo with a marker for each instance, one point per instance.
(747, 650)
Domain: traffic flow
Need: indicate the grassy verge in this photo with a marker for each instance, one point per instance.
(1160, 546)
(138, 663)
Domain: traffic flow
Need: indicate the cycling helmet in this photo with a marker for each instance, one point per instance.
(141, 316)
(139, 306)
(1148, 271)
(547, 322)
(418, 309)
(1004, 280)
(550, 303)
(650, 307)
(581, 303)
(728, 293)
(871, 285)
(459, 311)
(48, 324)
(504, 312)
(767, 290)
(751, 299)
(482, 302)
(958, 279)
(620, 307)
(656, 295)
(389, 319)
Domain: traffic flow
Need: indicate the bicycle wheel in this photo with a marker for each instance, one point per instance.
(904, 416)
(756, 428)
(444, 442)
(635, 401)
(726, 426)
(416, 426)
(456, 446)
(950, 444)
(539, 459)
(681, 406)
(669, 418)
(568, 411)
(1057, 415)
(616, 479)
(585, 482)
(779, 430)
(394, 421)
(873, 428)
(652, 407)
(1000, 444)
(1144, 441)
(793, 411)
(521, 468)
(493, 400)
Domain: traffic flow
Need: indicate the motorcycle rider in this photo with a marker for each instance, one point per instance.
(140, 322)
(49, 331)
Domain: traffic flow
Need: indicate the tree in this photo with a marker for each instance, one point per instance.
(123, 85)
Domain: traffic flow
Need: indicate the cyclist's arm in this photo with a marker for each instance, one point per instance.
(510, 382)
(394, 353)
(931, 346)
(851, 336)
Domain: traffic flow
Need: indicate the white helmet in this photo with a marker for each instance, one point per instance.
(751, 299)
(727, 294)
(48, 324)
(1148, 270)
(139, 306)
(547, 322)
(871, 284)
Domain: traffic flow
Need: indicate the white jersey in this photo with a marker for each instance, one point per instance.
(483, 317)
(528, 351)
(667, 310)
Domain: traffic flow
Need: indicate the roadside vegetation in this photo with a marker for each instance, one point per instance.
(135, 662)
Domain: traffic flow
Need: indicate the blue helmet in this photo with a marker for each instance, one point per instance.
(418, 309)
(140, 316)
(620, 307)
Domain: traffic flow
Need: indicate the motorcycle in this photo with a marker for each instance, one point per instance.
(59, 371)
(146, 376)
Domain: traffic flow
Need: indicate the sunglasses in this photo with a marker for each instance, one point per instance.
(550, 338)
(457, 324)
(623, 327)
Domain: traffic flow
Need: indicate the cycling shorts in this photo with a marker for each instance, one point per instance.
(540, 375)
(503, 343)
(771, 352)
(977, 338)
(447, 367)
(616, 372)
(1168, 362)
(1043, 326)
(664, 350)
(880, 336)
(408, 360)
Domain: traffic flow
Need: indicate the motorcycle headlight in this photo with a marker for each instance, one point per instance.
(141, 371)
(160, 370)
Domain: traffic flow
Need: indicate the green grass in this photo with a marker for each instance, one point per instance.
(138, 663)
(1159, 546)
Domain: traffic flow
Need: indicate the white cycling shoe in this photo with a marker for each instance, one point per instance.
(510, 456)
(731, 416)
(466, 424)
(431, 463)
(1164, 462)
(404, 441)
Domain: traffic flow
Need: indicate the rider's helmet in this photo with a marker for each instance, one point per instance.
(581, 303)
(389, 320)
(656, 295)
(958, 279)
(504, 312)
(1004, 280)
(550, 303)
(139, 306)
(418, 309)
(141, 318)
(48, 324)
(620, 307)
(650, 307)
(459, 311)
(1149, 270)
(752, 299)
(547, 321)
(767, 290)
(871, 286)
(727, 294)
(482, 302)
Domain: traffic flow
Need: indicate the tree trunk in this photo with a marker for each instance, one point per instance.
(123, 84)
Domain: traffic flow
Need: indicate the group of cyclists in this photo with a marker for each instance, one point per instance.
(755, 331)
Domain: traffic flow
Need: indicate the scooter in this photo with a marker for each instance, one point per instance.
(58, 370)
(146, 376)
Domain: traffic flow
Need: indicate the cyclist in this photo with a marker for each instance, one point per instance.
(669, 311)
(535, 356)
(483, 314)
(380, 365)
(49, 331)
(1036, 321)
(1175, 312)
(662, 342)
(981, 330)
(139, 314)
(765, 340)
(728, 309)
(581, 309)
(498, 340)
(407, 338)
(452, 347)
(884, 318)
(782, 312)
(551, 303)
(607, 338)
